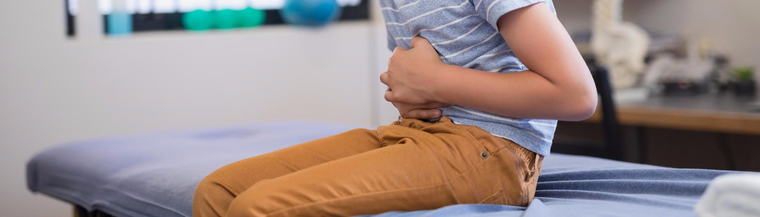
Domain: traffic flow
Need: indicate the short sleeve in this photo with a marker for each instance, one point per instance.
(492, 10)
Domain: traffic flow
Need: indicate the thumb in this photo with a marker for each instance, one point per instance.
(424, 113)
(420, 42)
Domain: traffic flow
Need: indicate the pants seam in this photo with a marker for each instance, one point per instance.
(380, 131)
(473, 166)
(462, 175)
(443, 173)
(446, 183)
(354, 196)
(286, 164)
(228, 188)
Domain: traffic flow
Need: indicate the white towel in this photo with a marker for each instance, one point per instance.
(735, 195)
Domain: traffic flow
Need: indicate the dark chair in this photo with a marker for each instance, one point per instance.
(612, 140)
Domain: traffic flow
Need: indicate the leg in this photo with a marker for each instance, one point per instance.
(215, 193)
(430, 167)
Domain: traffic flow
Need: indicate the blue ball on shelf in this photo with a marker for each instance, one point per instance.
(310, 12)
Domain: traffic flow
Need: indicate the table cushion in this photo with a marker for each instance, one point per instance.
(156, 174)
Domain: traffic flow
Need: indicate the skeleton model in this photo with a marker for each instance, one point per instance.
(620, 46)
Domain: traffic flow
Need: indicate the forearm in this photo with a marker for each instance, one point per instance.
(523, 94)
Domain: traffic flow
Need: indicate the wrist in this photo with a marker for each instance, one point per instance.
(440, 82)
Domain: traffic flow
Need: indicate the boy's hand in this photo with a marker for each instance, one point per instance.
(426, 111)
(410, 76)
(409, 80)
(423, 111)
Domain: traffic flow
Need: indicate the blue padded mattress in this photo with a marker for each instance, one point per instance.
(156, 175)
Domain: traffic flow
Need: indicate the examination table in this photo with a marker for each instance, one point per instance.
(156, 174)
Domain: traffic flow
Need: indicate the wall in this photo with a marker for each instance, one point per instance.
(54, 89)
(384, 111)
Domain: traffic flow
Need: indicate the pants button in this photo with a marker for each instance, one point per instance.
(484, 154)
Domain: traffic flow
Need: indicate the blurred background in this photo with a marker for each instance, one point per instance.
(681, 95)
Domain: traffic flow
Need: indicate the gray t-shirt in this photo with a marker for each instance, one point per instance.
(464, 33)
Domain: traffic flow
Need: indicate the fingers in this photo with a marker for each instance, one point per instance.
(398, 49)
(384, 79)
(423, 113)
(427, 111)
(388, 92)
(389, 96)
(397, 105)
(419, 42)
(395, 56)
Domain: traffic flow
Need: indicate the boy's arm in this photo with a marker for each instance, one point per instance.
(558, 85)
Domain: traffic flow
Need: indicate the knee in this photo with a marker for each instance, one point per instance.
(266, 198)
(212, 196)
(208, 187)
(248, 203)
(224, 182)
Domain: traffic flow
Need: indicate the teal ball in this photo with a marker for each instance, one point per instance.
(310, 12)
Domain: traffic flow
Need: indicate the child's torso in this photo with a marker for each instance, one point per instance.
(455, 29)
(463, 37)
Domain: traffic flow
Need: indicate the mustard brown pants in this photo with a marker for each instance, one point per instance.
(409, 165)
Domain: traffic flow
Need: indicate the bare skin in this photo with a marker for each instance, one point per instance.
(558, 85)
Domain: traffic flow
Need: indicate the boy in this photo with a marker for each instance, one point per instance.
(479, 84)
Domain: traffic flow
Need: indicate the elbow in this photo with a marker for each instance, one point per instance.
(587, 107)
(582, 106)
